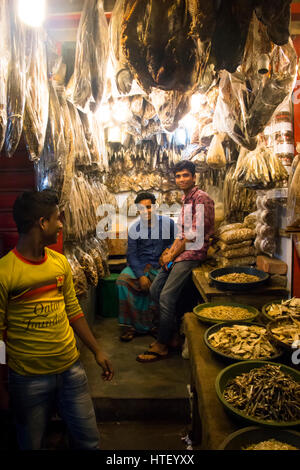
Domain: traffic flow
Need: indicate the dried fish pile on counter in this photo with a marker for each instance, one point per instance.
(238, 278)
(226, 312)
(266, 393)
(265, 241)
(235, 242)
(243, 342)
(270, 444)
(286, 307)
(287, 332)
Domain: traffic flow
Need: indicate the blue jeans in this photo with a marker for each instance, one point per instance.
(165, 291)
(33, 398)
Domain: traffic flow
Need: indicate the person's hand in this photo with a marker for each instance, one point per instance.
(165, 259)
(103, 362)
(145, 283)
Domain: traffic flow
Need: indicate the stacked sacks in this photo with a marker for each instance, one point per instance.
(235, 243)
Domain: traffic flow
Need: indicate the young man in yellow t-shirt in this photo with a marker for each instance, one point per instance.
(39, 313)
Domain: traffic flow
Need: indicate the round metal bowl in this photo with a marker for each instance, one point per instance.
(214, 328)
(253, 312)
(239, 368)
(276, 323)
(245, 437)
(238, 286)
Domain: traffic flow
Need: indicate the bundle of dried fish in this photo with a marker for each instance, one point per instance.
(91, 57)
(287, 331)
(266, 393)
(4, 63)
(243, 342)
(170, 106)
(238, 200)
(270, 444)
(286, 307)
(123, 76)
(88, 265)
(37, 97)
(156, 42)
(276, 16)
(79, 278)
(246, 101)
(238, 278)
(260, 169)
(16, 87)
(226, 312)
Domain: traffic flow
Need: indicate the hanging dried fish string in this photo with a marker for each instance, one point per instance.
(16, 90)
(4, 62)
(266, 393)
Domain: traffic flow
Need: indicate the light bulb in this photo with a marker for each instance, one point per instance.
(32, 12)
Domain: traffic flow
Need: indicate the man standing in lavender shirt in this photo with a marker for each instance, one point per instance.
(195, 227)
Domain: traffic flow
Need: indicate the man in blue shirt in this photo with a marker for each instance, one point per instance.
(147, 239)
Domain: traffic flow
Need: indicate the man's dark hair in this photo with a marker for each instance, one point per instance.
(185, 165)
(145, 195)
(31, 206)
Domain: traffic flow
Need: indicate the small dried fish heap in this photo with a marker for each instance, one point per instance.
(266, 393)
(243, 342)
(226, 312)
(286, 307)
(270, 444)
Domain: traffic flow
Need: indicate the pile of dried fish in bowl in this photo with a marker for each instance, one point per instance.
(262, 438)
(280, 308)
(238, 278)
(261, 392)
(285, 331)
(230, 312)
(241, 341)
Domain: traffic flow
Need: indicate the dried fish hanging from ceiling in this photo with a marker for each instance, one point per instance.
(16, 87)
(86, 87)
(247, 99)
(123, 76)
(4, 66)
(238, 200)
(37, 96)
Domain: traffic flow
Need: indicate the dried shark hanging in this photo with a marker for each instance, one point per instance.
(157, 44)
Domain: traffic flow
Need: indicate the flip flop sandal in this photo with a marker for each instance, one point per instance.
(157, 357)
(128, 336)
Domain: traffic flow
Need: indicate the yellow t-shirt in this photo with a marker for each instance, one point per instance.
(37, 305)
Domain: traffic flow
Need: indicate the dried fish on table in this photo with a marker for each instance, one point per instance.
(270, 444)
(4, 64)
(243, 342)
(287, 331)
(238, 278)
(37, 97)
(267, 393)
(16, 87)
(226, 312)
(286, 307)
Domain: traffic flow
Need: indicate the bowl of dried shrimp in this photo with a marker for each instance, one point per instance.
(241, 341)
(261, 392)
(230, 312)
(280, 308)
(285, 331)
(238, 278)
(259, 438)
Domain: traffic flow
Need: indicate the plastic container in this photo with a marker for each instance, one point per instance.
(108, 305)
